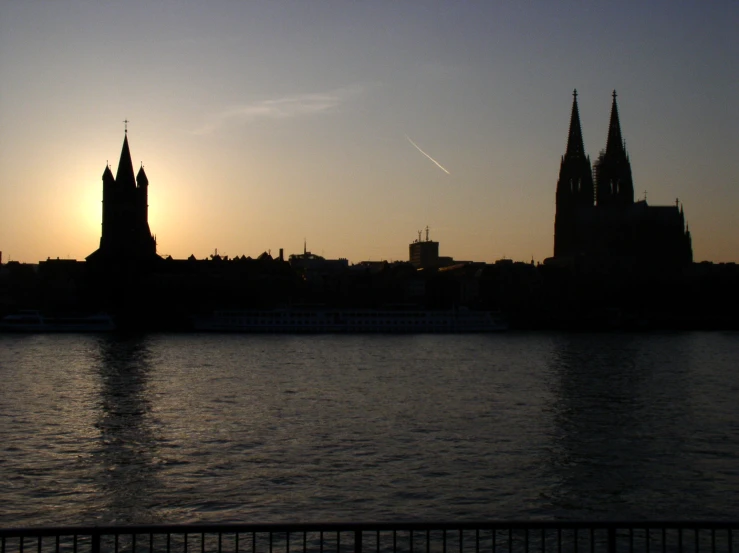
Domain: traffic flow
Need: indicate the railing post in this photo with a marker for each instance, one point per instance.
(357, 541)
(95, 542)
(611, 540)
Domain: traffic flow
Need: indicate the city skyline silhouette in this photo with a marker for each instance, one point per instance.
(262, 126)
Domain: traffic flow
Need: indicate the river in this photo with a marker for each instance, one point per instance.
(246, 428)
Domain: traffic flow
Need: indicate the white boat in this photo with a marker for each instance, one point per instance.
(325, 320)
(34, 321)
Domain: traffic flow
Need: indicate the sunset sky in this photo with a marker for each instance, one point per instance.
(264, 123)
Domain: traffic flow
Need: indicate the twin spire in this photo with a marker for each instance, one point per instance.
(574, 140)
(615, 142)
(575, 144)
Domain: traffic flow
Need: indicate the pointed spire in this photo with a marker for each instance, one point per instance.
(574, 140)
(141, 178)
(124, 175)
(615, 142)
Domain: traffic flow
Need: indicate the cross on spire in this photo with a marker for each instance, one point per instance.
(614, 94)
(125, 121)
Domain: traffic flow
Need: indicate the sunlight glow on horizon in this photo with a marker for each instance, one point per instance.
(273, 123)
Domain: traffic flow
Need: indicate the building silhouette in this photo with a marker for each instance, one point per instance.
(601, 234)
(596, 215)
(125, 229)
(423, 253)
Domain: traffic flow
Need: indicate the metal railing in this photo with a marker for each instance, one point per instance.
(469, 537)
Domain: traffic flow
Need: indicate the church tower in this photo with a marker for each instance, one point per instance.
(125, 227)
(575, 190)
(613, 183)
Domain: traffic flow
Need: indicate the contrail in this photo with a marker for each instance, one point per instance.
(428, 156)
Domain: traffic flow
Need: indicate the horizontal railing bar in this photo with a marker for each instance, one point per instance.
(230, 528)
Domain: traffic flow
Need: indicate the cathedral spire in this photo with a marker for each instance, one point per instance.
(574, 139)
(574, 189)
(124, 176)
(615, 142)
(613, 181)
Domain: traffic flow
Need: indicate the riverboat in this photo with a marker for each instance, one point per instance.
(296, 320)
(34, 321)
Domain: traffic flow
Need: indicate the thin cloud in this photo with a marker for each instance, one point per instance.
(300, 105)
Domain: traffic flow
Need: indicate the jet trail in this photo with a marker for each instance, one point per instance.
(428, 156)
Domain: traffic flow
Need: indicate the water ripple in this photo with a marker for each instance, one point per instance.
(161, 428)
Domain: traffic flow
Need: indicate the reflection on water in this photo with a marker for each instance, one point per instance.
(314, 428)
(624, 423)
(600, 422)
(126, 454)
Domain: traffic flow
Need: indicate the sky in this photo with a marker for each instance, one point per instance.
(353, 125)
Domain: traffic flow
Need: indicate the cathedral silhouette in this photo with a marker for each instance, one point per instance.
(125, 234)
(596, 214)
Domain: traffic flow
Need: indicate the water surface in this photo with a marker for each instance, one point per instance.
(243, 428)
